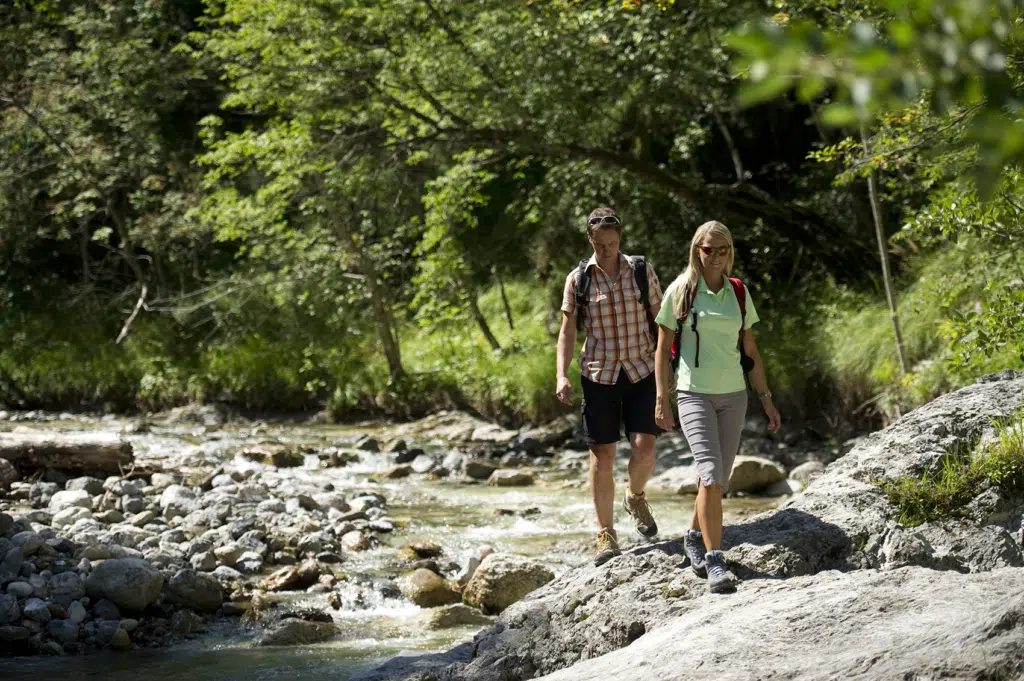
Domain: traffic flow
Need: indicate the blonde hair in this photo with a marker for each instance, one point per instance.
(686, 283)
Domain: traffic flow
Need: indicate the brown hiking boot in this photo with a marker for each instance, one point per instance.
(638, 509)
(607, 547)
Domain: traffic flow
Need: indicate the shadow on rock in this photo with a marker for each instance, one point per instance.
(786, 543)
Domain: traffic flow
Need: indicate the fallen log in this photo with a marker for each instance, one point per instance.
(104, 452)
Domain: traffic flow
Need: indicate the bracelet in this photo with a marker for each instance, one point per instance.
(765, 395)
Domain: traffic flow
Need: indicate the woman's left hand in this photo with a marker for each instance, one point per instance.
(774, 420)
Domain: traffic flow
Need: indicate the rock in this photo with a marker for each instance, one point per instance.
(142, 519)
(41, 493)
(478, 469)
(92, 486)
(62, 631)
(69, 516)
(185, 622)
(130, 583)
(455, 615)
(503, 579)
(62, 500)
(109, 517)
(293, 577)
(6, 524)
(28, 542)
(680, 479)
(355, 541)
(120, 640)
(807, 471)
(106, 610)
(753, 474)
(20, 589)
(396, 447)
(493, 433)
(511, 478)
(77, 613)
(178, 501)
(292, 632)
(227, 575)
(11, 634)
(420, 549)
(37, 610)
(66, 587)
(195, 590)
(424, 463)
(428, 590)
(9, 610)
(367, 444)
(783, 488)
(472, 562)
(161, 481)
(229, 554)
(8, 474)
(204, 562)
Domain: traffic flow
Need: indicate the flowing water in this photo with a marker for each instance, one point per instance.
(551, 521)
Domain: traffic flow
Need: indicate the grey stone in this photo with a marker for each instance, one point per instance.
(9, 610)
(291, 632)
(204, 562)
(20, 589)
(41, 492)
(130, 583)
(63, 631)
(478, 469)
(511, 478)
(8, 474)
(807, 471)
(754, 474)
(424, 463)
(10, 633)
(28, 542)
(92, 486)
(77, 612)
(195, 590)
(65, 499)
(36, 610)
(503, 579)
(106, 610)
(178, 501)
(69, 516)
(66, 587)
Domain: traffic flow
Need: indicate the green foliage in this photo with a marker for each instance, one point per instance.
(951, 54)
(963, 476)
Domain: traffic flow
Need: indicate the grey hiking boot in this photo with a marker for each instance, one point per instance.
(607, 547)
(693, 545)
(720, 579)
(640, 511)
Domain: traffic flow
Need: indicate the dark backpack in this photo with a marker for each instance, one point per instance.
(741, 296)
(639, 276)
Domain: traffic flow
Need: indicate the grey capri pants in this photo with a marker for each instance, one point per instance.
(712, 425)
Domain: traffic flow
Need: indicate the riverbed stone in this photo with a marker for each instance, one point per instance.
(754, 474)
(41, 493)
(807, 471)
(291, 632)
(8, 474)
(195, 590)
(69, 516)
(478, 469)
(455, 615)
(69, 499)
(93, 486)
(10, 611)
(10, 633)
(355, 541)
(161, 481)
(503, 579)
(680, 479)
(28, 542)
(62, 631)
(511, 478)
(106, 610)
(67, 587)
(293, 577)
(20, 589)
(130, 583)
(427, 589)
(177, 500)
(120, 640)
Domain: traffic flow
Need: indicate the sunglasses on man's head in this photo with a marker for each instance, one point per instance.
(606, 220)
(722, 251)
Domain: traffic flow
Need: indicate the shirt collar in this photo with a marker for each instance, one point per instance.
(623, 260)
(703, 287)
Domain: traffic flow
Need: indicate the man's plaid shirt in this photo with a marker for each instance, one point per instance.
(615, 323)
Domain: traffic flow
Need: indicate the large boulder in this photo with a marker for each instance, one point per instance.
(679, 479)
(427, 589)
(197, 591)
(129, 583)
(503, 579)
(754, 474)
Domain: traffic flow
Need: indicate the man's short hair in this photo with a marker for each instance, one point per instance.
(603, 211)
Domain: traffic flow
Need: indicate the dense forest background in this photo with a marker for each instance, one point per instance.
(372, 206)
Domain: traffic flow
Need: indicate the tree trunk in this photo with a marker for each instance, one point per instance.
(883, 254)
(482, 322)
(67, 452)
(734, 153)
(504, 300)
(378, 304)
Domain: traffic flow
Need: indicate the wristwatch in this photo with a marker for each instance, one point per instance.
(765, 395)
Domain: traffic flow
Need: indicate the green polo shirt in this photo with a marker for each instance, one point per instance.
(718, 322)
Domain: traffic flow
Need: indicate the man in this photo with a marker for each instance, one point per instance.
(617, 364)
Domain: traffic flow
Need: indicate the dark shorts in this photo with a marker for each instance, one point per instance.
(607, 407)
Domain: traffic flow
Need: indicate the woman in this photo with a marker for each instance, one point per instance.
(717, 316)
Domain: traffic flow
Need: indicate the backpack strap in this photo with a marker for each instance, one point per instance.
(741, 296)
(690, 297)
(639, 263)
(582, 289)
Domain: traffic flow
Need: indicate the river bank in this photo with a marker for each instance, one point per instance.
(215, 506)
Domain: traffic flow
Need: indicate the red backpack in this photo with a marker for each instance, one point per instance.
(741, 296)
